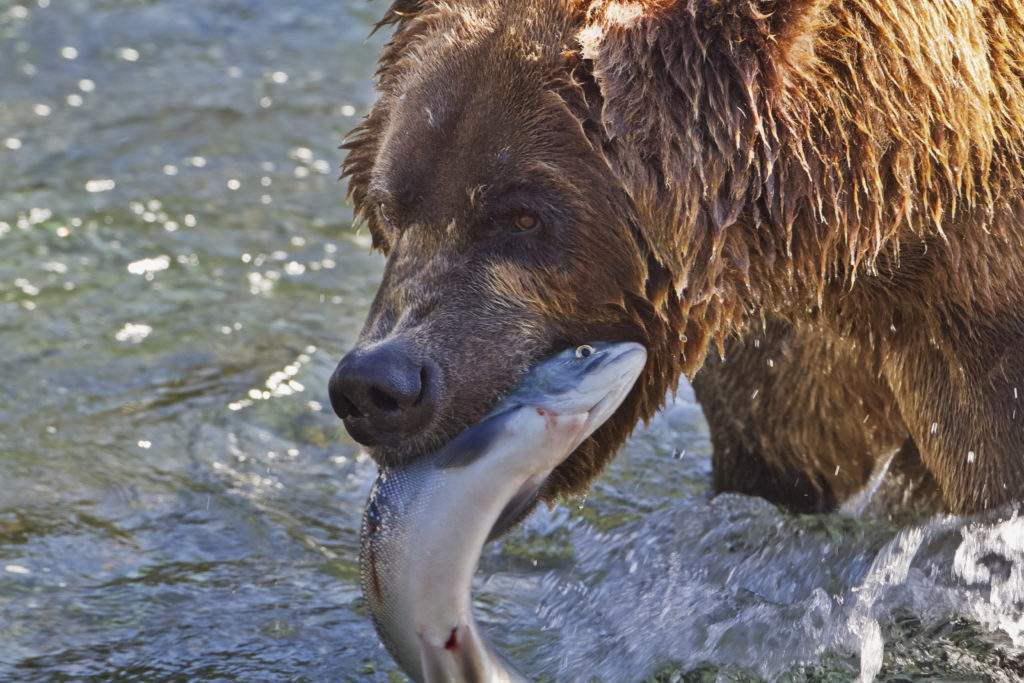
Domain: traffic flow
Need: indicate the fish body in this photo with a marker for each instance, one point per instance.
(426, 522)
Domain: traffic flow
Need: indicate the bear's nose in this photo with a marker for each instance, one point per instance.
(383, 394)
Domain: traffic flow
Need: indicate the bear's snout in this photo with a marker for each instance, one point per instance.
(384, 394)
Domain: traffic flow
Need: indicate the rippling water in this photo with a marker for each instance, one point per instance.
(178, 277)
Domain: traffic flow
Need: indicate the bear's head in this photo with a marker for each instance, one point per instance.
(507, 235)
(528, 188)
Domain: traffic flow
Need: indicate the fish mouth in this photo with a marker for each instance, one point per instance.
(604, 408)
(626, 364)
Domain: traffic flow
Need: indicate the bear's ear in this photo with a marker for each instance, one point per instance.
(400, 12)
(685, 88)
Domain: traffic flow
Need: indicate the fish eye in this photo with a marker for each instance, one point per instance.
(584, 351)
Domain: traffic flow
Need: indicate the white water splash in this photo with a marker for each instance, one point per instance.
(735, 584)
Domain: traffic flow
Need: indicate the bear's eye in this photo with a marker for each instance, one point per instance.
(524, 222)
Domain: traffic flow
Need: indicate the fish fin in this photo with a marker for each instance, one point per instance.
(515, 510)
(473, 442)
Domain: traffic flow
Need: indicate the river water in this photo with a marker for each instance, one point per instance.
(178, 277)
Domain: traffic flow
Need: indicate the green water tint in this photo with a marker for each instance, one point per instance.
(178, 278)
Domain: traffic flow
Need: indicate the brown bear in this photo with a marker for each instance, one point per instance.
(826, 194)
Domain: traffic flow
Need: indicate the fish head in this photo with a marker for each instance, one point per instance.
(574, 391)
(592, 379)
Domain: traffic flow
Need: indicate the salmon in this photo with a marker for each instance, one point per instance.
(426, 522)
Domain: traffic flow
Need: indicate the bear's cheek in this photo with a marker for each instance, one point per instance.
(572, 303)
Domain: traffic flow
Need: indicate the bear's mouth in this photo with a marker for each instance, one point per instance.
(457, 406)
(453, 414)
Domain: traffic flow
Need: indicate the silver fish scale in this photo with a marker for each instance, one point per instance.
(396, 495)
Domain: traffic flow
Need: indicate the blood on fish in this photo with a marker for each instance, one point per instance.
(453, 641)
(550, 419)
(375, 579)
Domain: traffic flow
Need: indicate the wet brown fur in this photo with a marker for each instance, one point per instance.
(832, 186)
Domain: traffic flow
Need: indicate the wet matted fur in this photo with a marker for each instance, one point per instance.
(829, 193)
